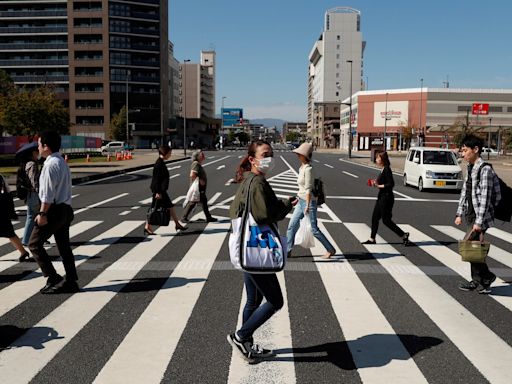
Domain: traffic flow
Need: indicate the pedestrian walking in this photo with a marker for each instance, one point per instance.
(30, 170)
(159, 187)
(197, 171)
(385, 200)
(6, 228)
(266, 208)
(307, 204)
(54, 217)
(480, 192)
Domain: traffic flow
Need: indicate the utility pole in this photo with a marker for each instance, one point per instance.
(184, 83)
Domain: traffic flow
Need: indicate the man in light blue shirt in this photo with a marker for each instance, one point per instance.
(54, 217)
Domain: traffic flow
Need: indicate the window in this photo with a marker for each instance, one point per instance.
(337, 74)
(337, 46)
(463, 108)
(337, 37)
(337, 93)
(337, 55)
(495, 109)
(337, 65)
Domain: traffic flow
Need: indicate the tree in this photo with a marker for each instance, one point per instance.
(118, 125)
(243, 137)
(27, 112)
(293, 136)
(231, 136)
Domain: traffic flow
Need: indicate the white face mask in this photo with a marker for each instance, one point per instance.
(266, 164)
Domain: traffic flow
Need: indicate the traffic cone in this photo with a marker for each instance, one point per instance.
(130, 155)
(108, 157)
(66, 158)
(87, 159)
(118, 156)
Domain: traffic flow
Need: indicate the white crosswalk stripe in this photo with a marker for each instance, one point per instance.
(151, 342)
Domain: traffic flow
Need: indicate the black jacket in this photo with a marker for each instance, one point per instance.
(386, 178)
(160, 180)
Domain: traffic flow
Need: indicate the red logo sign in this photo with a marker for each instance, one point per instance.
(480, 109)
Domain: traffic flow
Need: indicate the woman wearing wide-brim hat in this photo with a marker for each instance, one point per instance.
(307, 204)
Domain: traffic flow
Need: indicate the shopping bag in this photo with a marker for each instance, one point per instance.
(304, 236)
(193, 194)
(255, 248)
(158, 216)
(473, 251)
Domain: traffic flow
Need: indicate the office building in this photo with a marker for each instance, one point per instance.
(95, 53)
(330, 70)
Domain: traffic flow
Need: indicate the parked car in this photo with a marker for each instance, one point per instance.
(115, 146)
(435, 168)
(488, 152)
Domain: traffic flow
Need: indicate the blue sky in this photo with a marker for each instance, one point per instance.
(263, 46)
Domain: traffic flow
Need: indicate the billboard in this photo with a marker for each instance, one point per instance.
(232, 116)
(480, 109)
(397, 113)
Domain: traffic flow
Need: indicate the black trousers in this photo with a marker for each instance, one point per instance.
(59, 217)
(384, 210)
(480, 272)
(191, 205)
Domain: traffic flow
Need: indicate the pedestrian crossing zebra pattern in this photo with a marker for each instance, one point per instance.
(378, 313)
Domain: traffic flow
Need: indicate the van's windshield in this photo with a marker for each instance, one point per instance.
(438, 157)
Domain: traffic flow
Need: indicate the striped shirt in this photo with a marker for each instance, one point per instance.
(55, 181)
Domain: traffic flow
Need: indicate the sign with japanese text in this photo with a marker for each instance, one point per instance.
(480, 109)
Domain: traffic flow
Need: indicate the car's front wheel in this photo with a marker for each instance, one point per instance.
(420, 185)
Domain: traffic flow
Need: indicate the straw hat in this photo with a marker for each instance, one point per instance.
(305, 149)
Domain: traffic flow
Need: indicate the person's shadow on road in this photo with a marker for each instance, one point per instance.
(375, 350)
(34, 337)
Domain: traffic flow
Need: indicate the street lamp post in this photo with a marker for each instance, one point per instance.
(221, 140)
(489, 139)
(385, 124)
(421, 109)
(350, 115)
(127, 108)
(184, 82)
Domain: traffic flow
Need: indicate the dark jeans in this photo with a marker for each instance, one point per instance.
(480, 272)
(259, 286)
(383, 210)
(59, 217)
(204, 201)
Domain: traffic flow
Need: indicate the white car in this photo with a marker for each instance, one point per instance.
(115, 146)
(432, 168)
(488, 152)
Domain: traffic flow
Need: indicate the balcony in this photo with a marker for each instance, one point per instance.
(32, 46)
(145, 63)
(31, 62)
(32, 14)
(40, 79)
(31, 30)
(144, 15)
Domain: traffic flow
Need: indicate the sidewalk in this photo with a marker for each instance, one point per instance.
(84, 172)
(502, 164)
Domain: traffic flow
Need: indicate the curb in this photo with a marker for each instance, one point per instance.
(98, 176)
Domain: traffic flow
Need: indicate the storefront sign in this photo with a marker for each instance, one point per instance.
(396, 112)
(480, 109)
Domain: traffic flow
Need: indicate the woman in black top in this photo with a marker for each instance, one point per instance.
(159, 187)
(384, 205)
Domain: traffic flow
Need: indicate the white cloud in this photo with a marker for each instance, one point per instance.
(284, 111)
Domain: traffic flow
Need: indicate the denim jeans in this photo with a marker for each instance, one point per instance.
(32, 210)
(257, 287)
(294, 224)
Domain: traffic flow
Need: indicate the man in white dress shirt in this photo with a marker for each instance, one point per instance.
(54, 217)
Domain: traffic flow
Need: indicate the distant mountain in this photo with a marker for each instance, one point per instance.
(278, 123)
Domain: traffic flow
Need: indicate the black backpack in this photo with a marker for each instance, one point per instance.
(23, 185)
(318, 191)
(502, 210)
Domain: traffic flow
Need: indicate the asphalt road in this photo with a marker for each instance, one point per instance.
(158, 309)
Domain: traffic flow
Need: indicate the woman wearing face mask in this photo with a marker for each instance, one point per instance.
(307, 202)
(385, 200)
(266, 208)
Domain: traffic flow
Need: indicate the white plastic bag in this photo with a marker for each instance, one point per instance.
(304, 236)
(193, 195)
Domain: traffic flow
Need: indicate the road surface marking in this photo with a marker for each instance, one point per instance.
(221, 166)
(327, 165)
(350, 174)
(100, 203)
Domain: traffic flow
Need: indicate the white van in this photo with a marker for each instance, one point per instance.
(428, 167)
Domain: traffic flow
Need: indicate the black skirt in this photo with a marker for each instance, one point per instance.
(6, 228)
(164, 202)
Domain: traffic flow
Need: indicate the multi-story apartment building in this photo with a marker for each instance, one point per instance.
(300, 128)
(100, 55)
(174, 84)
(335, 59)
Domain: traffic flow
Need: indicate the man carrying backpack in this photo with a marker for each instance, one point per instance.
(480, 194)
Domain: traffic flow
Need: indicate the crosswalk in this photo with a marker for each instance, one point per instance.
(157, 309)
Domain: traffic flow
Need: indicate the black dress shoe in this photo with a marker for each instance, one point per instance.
(66, 287)
(212, 220)
(369, 242)
(24, 257)
(51, 283)
(405, 239)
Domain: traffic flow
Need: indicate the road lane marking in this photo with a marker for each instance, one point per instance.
(500, 234)
(316, 161)
(214, 198)
(100, 203)
(293, 171)
(409, 199)
(215, 161)
(327, 165)
(229, 182)
(176, 167)
(274, 334)
(375, 168)
(15, 294)
(70, 317)
(124, 213)
(156, 333)
(451, 317)
(350, 174)
(173, 176)
(221, 166)
(402, 194)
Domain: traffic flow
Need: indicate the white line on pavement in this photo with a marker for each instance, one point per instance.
(221, 166)
(350, 174)
(100, 203)
(176, 167)
(402, 194)
(327, 165)
(173, 176)
(229, 182)
(397, 199)
(367, 166)
(215, 161)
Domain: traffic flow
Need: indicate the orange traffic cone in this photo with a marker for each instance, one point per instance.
(66, 158)
(130, 155)
(87, 159)
(108, 157)
(118, 156)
